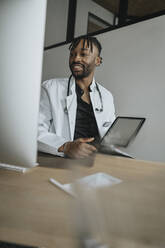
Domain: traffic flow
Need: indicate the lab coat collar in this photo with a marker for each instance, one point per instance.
(71, 102)
(72, 91)
(73, 85)
(71, 96)
(93, 85)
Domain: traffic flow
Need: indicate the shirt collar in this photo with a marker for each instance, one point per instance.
(73, 87)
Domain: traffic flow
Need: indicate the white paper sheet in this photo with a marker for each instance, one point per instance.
(94, 181)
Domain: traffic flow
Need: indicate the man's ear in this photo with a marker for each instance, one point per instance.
(98, 61)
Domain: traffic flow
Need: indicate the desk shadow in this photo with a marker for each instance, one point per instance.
(51, 161)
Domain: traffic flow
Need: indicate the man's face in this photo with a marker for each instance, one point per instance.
(82, 60)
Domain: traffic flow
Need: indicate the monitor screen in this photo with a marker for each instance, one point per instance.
(22, 25)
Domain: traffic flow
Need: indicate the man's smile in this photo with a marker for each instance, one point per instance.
(77, 67)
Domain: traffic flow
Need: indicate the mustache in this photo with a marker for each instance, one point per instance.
(74, 63)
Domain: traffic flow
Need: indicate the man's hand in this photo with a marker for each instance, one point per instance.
(78, 148)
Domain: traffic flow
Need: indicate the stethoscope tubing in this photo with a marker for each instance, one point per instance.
(97, 87)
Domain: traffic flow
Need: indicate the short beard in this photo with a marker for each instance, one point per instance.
(80, 76)
(85, 73)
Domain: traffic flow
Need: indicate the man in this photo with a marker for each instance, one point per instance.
(75, 112)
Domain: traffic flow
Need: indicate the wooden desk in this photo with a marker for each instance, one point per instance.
(34, 212)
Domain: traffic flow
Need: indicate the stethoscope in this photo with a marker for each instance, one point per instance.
(100, 96)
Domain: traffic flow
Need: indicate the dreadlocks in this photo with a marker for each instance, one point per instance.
(90, 41)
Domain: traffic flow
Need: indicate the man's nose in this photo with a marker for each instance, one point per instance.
(77, 58)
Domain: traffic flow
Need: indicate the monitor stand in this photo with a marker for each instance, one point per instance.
(15, 167)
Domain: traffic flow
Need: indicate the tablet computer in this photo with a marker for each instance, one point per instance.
(122, 131)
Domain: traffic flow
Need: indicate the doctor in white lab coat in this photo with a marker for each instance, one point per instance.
(59, 104)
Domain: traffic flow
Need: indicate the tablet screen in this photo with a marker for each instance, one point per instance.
(122, 131)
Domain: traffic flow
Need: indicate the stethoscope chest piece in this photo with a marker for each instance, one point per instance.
(98, 110)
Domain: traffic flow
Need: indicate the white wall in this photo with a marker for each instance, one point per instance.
(56, 21)
(85, 6)
(133, 70)
(56, 63)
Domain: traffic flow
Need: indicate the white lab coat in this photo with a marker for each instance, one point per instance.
(57, 115)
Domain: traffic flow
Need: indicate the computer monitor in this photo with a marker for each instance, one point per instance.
(22, 26)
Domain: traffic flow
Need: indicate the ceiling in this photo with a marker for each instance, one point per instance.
(137, 8)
